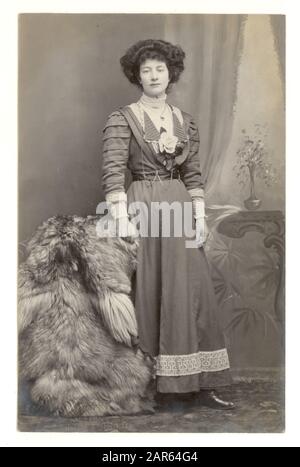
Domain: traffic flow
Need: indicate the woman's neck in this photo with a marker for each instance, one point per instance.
(153, 102)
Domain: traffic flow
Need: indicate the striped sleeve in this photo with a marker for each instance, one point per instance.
(115, 152)
(190, 170)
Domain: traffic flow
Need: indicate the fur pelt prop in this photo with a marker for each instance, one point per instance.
(77, 324)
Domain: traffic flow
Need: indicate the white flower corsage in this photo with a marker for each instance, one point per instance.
(167, 143)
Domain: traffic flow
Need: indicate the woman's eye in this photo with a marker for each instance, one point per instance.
(159, 69)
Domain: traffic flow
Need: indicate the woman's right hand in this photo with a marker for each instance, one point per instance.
(123, 227)
(126, 229)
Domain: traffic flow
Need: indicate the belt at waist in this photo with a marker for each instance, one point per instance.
(153, 176)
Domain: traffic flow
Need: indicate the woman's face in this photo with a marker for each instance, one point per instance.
(154, 75)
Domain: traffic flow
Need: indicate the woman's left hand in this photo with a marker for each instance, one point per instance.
(202, 231)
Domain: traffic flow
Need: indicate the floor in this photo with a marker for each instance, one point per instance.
(259, 409)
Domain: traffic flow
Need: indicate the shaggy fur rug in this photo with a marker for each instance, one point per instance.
(77, 326)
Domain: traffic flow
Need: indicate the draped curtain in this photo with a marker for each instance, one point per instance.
(207, 88)
(278, 28)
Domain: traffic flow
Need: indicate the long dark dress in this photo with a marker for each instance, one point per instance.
(174, 297)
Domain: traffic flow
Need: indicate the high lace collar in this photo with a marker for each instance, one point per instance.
(155, 103)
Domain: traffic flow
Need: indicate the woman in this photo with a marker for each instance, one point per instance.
(176, 307)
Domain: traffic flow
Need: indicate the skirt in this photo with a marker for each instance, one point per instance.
(175, 302)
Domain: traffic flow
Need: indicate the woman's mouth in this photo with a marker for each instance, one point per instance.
(155, 84)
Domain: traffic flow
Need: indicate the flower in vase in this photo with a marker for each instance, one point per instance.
(252, 157)
(253, 161)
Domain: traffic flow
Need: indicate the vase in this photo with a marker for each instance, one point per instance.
(252, 202)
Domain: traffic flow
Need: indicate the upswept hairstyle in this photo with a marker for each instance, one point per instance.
(138, 53)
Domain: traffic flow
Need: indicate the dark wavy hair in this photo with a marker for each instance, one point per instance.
(138, 53)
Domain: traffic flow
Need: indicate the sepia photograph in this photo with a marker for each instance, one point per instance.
(151, 222)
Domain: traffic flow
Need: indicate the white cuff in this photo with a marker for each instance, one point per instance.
(198, 208)
(196, 193)
(116, 197)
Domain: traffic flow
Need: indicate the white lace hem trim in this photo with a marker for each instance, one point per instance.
(191, 364)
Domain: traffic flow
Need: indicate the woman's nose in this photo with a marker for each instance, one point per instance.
(153, 76)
